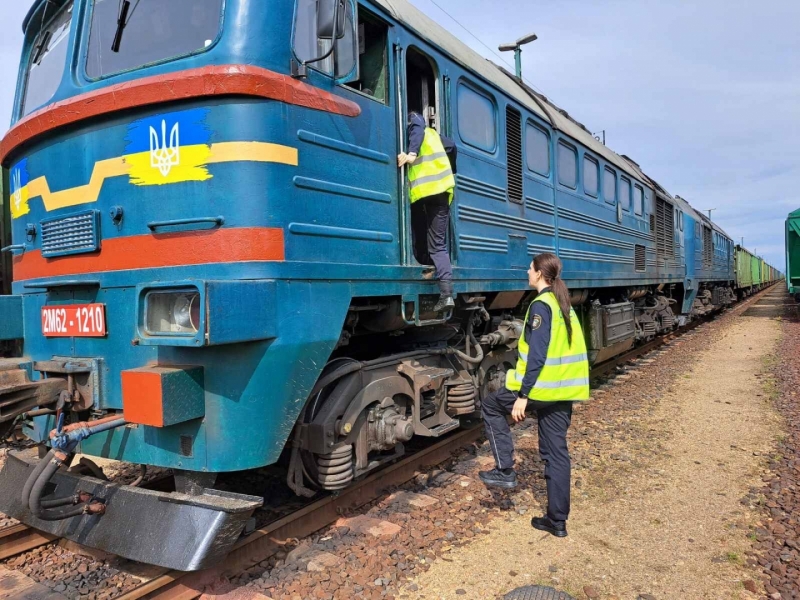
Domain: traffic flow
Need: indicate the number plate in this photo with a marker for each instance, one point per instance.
(74, 320)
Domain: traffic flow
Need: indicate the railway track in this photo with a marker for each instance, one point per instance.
(262, 543)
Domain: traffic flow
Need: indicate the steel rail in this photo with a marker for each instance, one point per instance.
(264, 542)
(19, 538)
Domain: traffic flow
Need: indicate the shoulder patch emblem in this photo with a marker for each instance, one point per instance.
(537, 322)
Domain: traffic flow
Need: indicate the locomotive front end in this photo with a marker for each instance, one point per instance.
(149, 162)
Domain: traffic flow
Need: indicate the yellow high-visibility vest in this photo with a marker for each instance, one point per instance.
(565, 374)
(431, 173)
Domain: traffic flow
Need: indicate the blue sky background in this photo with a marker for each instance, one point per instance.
(703, 94)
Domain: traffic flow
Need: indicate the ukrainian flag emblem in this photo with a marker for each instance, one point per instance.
(19, 189)
(169, 148)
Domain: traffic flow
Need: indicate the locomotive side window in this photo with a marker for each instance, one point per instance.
(567, 166)
(610, 186)
(537, 150)
(477, 120)
(638, 200)
(625, 194)
(590, 176)
(372, 58)
(48, 56)
(153, 31)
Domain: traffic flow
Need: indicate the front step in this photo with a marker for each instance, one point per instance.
(440, 430)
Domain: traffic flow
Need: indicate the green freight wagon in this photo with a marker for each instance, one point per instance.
(793, 254)
(744, 272)
(755, 269)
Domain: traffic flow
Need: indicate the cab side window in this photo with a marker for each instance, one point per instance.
(372, 58)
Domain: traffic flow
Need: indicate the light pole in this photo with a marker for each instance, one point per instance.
(517, 48)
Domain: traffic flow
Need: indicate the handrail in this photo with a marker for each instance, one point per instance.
(14, 248)
(63, 283)
(217, 221)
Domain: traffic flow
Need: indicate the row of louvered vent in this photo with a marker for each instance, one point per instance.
(708, 248)
(640, 258)
(514, 154)
(665, 229)
(70, 235)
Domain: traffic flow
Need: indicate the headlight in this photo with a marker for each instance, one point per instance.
(173, 312)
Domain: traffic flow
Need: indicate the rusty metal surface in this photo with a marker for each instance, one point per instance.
(20, 538)
(264, 542)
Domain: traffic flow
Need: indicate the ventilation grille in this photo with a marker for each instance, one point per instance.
(708, 248)
(639, 258)
(514, 154)
(187, 445)
(75, 234)
(665, 229)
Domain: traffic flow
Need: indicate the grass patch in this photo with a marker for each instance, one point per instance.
(733, 557)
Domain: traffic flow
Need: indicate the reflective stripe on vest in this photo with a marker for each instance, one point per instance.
(565, 374)
(431, 173)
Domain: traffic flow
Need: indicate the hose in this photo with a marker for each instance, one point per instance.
(41, 512)
(64, 441)
(140, 478)
(26, 489)
(473, 360)
(465, 356)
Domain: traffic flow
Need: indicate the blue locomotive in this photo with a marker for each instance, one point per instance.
(213, 262)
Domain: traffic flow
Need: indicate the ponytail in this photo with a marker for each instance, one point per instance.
(562, 295)
(549, 265)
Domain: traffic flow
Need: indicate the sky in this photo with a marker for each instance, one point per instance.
(703, 94)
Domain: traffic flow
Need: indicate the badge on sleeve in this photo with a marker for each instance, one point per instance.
(537, 322)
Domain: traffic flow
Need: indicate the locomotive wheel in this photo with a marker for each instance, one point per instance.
(333, 471)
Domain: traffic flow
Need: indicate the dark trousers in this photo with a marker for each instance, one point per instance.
(554, 420)
(432, 214)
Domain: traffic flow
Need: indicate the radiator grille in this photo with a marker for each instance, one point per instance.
(708, 248)
(514, 154)
(74, 234)
(665, 229)
(639, 259)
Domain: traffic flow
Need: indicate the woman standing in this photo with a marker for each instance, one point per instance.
(552, 372)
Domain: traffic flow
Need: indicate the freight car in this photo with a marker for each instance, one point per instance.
(793, 254)
(213, 253)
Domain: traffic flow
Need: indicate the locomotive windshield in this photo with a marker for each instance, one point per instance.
(48, 56)
(154, 31)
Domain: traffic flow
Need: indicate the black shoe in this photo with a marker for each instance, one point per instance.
(496, 478)
(556, 528)
(444, 303)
